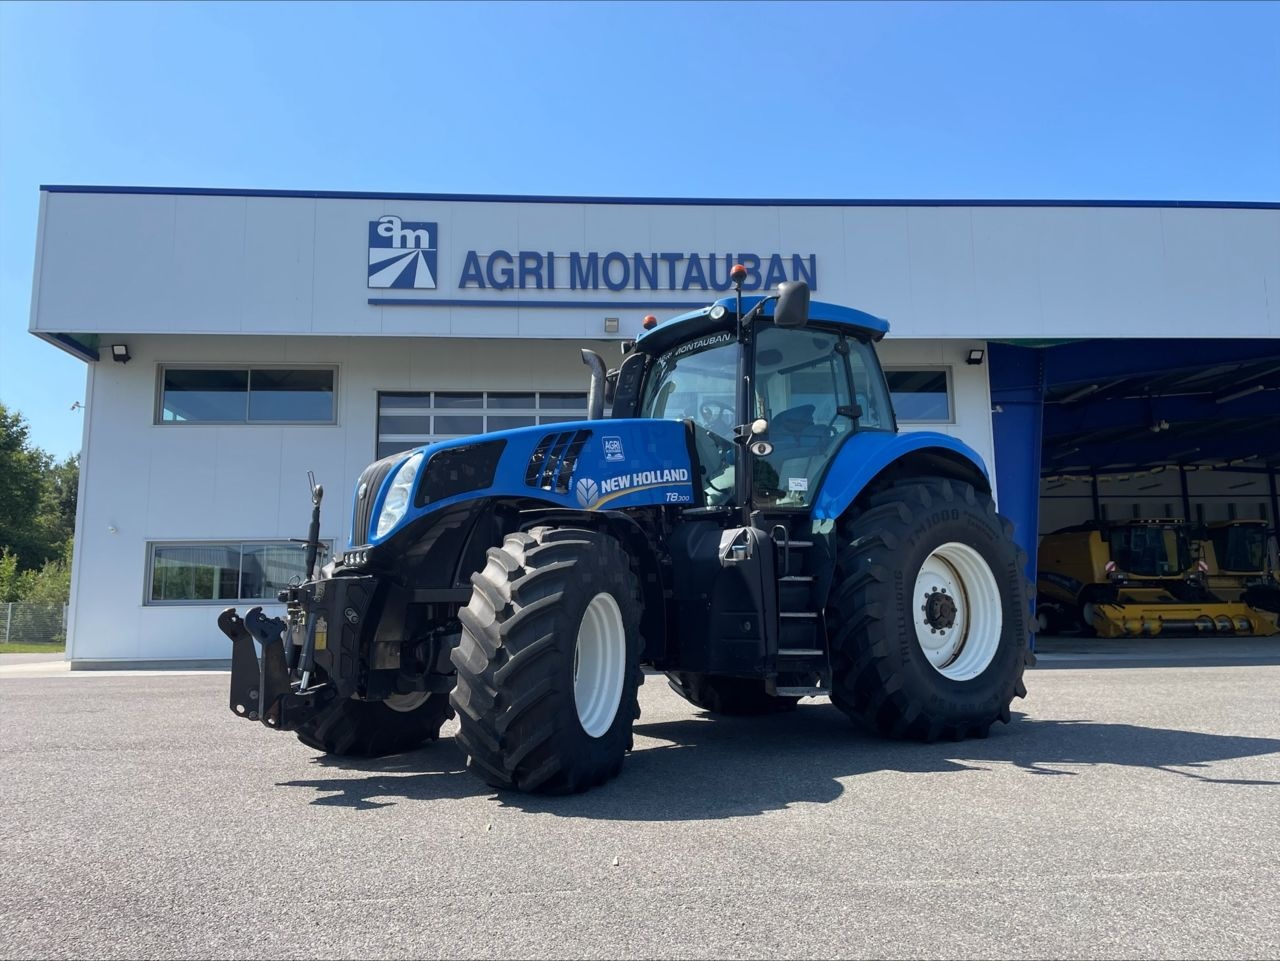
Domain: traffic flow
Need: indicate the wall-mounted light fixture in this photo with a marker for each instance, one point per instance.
(975, 356)
(611, 325)
(120, 353)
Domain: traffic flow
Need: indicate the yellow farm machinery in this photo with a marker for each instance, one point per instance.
(1143, 578)
(1239, 559)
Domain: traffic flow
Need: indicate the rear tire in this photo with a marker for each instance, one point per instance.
(932, 614)
(549, 662)
(348, 727)
(740, 696)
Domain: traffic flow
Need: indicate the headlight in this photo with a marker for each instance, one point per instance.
(396, 502)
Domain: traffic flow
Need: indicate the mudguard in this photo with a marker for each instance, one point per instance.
(864, 455)
(584, 465)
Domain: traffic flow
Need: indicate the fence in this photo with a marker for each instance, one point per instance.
(31, 623)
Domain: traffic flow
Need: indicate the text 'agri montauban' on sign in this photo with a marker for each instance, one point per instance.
(532, 270)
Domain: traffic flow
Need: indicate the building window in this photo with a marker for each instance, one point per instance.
(921, 395)
(223, 571)
(252, 395)
(411, 419)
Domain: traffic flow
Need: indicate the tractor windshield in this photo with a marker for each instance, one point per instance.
(1150, 550)
(695, 381)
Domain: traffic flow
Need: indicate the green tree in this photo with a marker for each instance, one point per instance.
(56, 520)
(8, 576)
(37, 497)
(22, 489)
(51, 583)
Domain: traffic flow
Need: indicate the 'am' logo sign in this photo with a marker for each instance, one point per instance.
(402, 254)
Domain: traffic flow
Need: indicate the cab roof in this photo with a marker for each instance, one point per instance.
(699, 321)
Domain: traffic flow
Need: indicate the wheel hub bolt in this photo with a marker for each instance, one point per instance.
(939, 610)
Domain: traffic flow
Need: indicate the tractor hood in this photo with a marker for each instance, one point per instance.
(584, 465)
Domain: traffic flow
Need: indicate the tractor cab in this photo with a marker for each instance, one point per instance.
(1242, 548)
(780, 393)
(1240, 562)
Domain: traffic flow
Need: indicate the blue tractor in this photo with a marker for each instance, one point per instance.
(748, 521)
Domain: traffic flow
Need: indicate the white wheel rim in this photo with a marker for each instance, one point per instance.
(599, 665)
(404, 703)
(957, 613)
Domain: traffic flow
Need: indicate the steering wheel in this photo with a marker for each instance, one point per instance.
(713, 441)
(715, 414)
(713, 460)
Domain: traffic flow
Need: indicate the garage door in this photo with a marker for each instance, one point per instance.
(411, 418)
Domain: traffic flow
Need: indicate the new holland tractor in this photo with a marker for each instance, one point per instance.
(748, 520)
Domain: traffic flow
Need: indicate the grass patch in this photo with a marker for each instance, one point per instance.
(33, 648)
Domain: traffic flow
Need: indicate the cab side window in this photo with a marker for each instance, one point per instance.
(869, 389)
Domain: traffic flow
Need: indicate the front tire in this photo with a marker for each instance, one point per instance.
(352, 728)
(734, 696)
(933, 613)
(549, 662)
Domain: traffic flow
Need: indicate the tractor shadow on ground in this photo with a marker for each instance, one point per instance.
(704, 768)
(435, 772)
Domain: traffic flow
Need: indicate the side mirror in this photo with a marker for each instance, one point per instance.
(792, 309)
(610, 386)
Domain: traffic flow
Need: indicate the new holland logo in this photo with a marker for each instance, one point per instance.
(402, 254)
(588, 492)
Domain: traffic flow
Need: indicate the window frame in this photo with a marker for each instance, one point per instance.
(946, 369)
(240, 544)
(158, 413)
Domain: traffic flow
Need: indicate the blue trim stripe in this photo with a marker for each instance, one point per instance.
(652, 201)
(69, 344)
(522, 304)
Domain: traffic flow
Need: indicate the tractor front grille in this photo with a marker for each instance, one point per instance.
(554, 460)
(370, 483)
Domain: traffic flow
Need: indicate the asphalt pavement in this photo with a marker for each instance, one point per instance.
(1130, 810)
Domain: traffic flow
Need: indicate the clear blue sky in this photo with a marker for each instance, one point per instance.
(1080, 100)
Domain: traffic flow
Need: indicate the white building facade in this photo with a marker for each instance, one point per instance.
(259, 335)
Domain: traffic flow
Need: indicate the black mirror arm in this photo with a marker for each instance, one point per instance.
(755, 311)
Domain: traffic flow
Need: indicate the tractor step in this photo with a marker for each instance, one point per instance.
(800, 659)
(806, 691)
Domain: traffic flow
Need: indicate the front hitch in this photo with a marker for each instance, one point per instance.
(261, 689)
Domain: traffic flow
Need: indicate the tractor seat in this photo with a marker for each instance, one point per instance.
(799, 446)
(794, 430)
